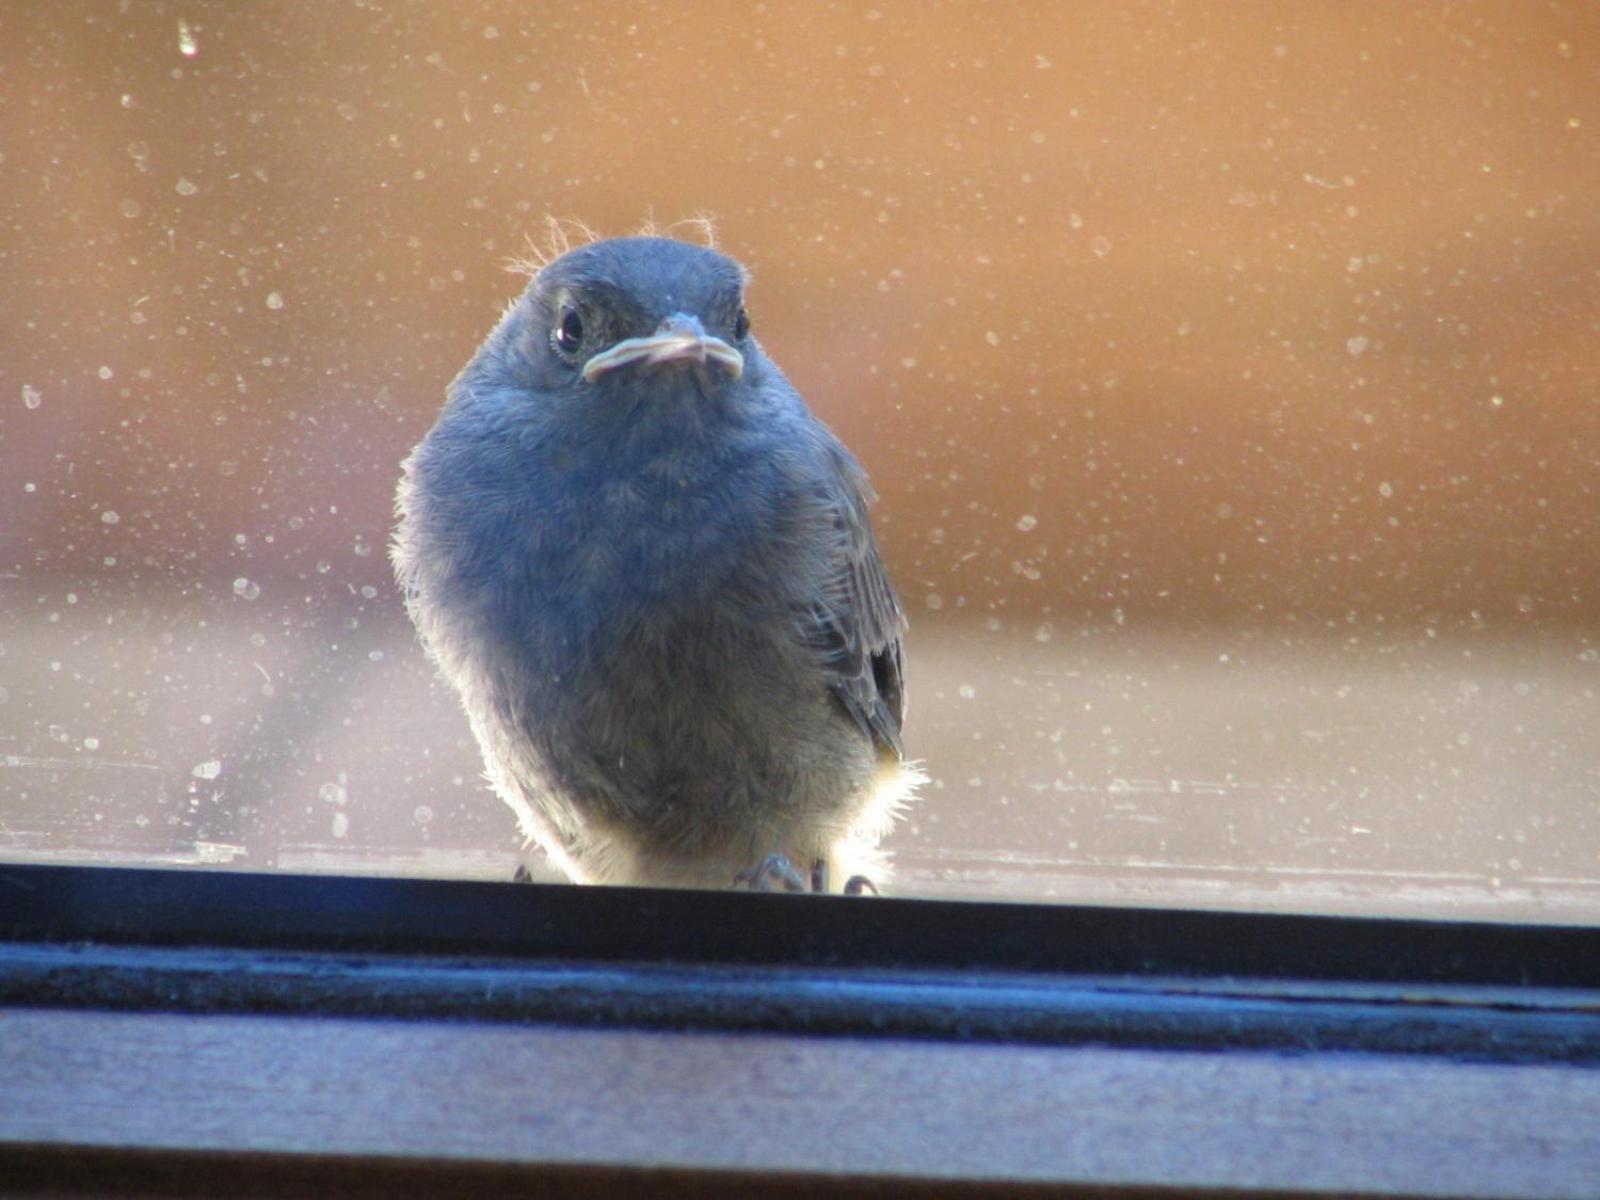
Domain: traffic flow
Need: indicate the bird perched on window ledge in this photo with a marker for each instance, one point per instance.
(648, 572)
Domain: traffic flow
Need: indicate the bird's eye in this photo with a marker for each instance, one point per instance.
(741, 325)
(568, 335)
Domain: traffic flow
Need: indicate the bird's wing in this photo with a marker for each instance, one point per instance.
(857, 623)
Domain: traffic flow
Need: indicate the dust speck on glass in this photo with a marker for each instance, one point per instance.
(1226, 380)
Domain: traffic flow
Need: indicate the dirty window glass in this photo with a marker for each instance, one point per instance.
(1227, 377)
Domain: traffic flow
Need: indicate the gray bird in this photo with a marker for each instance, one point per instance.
(648, 572)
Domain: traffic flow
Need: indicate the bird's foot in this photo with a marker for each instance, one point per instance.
(773, 873)
(856, 885)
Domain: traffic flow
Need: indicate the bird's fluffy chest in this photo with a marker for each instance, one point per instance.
(653, 529)
(617, 546)
(664, 612)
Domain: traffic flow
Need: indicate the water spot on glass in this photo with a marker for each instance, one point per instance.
(1101, 246)
(1027, 522)
(110, 517)
(1357, 346)
(209, 769)
(341, 824)
(185, 188)
(246, 589)
(274, 300)
(187, 46)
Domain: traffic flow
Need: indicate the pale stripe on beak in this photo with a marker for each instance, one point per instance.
(678, 339)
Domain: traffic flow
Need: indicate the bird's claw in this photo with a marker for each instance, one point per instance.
(856, 885)
(771, 873)
(775, 872)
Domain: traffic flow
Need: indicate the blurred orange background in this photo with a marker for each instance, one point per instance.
(1234, 308)
(1205, 321)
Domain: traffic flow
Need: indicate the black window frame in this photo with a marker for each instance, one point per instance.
(887, 971)
(155, 938)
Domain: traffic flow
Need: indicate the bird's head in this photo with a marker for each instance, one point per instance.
(637, 316)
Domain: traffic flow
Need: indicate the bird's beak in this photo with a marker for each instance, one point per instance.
(679, 338)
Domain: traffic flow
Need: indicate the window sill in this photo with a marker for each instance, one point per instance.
(172, 1033)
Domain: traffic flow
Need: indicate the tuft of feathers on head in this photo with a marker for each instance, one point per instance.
(561, 234)
(699, 227)
(564, 234)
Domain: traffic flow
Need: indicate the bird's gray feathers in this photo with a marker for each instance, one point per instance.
(856, 624)
(657, 593)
